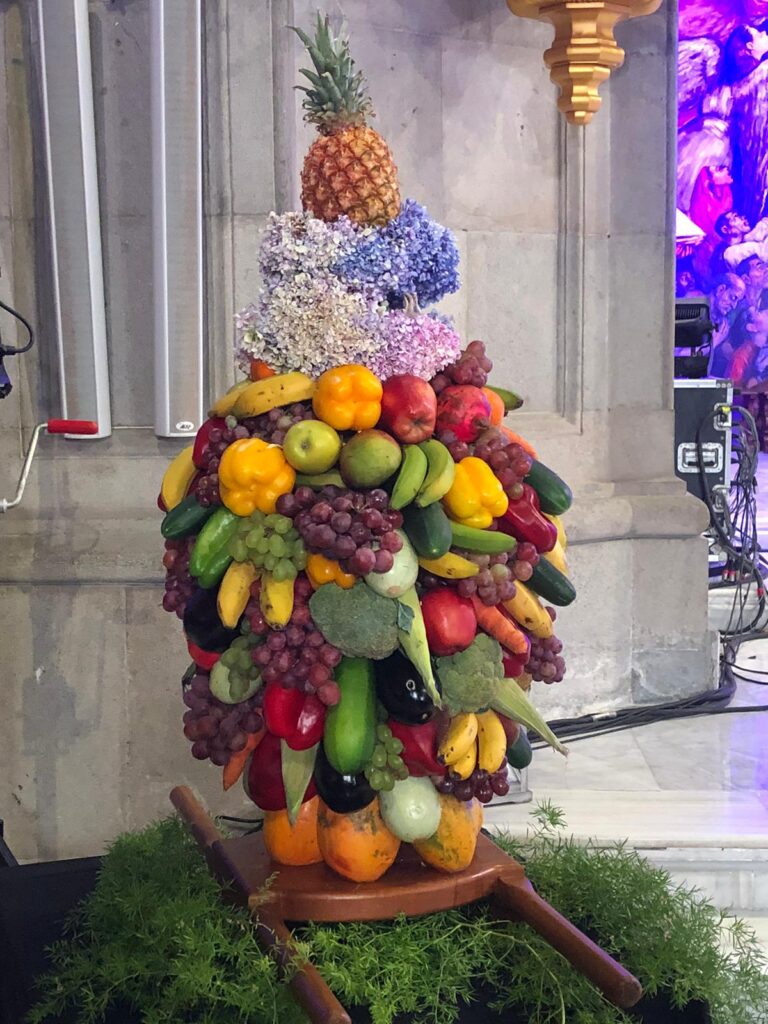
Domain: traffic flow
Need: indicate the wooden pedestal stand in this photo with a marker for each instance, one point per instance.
(316, 893)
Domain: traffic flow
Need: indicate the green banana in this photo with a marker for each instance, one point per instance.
(486, 542)
(510, 399)
(411, 476)
(440, 472)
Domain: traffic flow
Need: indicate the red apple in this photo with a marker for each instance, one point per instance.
(450, 621)
(408, 408)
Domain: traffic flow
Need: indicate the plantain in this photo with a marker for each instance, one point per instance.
(276, 600)
(528, 611)
(177, 478)
(235, 591)
(491, 741)
(223, 406)
(450, 566)
(272, 392)
(466, 763)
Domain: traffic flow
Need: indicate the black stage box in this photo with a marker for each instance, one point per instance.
(704, 405)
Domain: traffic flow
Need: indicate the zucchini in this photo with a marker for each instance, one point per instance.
(555, 496)
(485, 542)
(428, 529)
(186, 518)
(350, 725)
(520, 753)
(510, 399)
(550, 584)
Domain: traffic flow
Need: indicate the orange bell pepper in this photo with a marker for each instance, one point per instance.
(348, 398)
(322, 570)
(476, 497)
(253, 475)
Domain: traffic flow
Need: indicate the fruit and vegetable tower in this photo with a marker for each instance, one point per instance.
(363, 555)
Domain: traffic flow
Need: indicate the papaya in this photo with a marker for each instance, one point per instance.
(452, 847)
(359, 845)
(297, 844)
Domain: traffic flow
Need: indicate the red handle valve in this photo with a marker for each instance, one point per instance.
(72, 427)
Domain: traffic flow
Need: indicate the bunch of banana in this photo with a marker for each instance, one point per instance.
(473, 741)
(426, 474)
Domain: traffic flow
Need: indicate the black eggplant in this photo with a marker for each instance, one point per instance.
(342, 793)
(202, 624)
(401, 690)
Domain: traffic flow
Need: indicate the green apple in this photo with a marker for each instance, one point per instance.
(311, 446)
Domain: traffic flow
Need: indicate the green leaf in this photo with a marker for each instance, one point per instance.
(298, 766)
(404, 617)
(512, 702)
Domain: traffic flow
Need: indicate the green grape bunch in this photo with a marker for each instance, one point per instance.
(270, 542)
(386, 765)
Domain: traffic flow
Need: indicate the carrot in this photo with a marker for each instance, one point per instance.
(260, 370)
(516, 439)
(500, 627)
(234, 767)
(497, 406)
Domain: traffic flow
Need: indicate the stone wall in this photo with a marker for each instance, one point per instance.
(566, 239)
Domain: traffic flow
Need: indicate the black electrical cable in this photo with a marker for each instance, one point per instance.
(12, 350)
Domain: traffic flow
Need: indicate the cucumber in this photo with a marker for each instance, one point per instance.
(555, 496)
(319, 480)
(429, 530)
(350, 725)
(186, 518)
(486, 542)
(550, 584)
(520, 753)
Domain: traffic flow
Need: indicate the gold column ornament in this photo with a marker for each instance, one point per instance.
(584, 51)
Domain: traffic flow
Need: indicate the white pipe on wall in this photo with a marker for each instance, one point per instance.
(177, 174)
(75, 223)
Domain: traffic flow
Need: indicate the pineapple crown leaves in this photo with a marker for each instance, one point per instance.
(338, 93)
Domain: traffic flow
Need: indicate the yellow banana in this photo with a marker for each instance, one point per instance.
(276, 600)
(273, 392)
(223, 406)
(466, 764)
(460, 737)
(235, 592)
(177, 478)
(450, 566)
(491, 741)
(557, 558)
(528, 611)
(562, 539)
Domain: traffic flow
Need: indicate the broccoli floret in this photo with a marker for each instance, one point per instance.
(473, 680)
(361, 623)
(469, 680)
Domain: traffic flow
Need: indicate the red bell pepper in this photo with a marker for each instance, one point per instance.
(202, 439)
(420, 743)
(293, 716)
(265, 776)
(203, 659)
(514, 664)
(523, 520)
(161, 504)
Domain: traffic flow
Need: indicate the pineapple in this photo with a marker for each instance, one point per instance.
(349, 169)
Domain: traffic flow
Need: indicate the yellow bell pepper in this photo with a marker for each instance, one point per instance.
(476, 497)
(253, 475)
(324, 570)
(348, 398)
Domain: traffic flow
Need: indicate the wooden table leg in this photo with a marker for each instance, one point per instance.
(518, 900)
(305, 981)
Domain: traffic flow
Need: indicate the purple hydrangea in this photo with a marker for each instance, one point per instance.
(412, 254)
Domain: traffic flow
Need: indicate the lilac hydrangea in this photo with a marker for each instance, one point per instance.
(422, 345)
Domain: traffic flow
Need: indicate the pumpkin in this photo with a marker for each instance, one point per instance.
(359, 845)
(297, 844)
(452, 847)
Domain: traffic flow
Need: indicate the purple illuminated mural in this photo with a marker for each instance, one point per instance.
(722, 178)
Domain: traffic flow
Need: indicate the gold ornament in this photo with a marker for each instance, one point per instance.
(584, 51)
